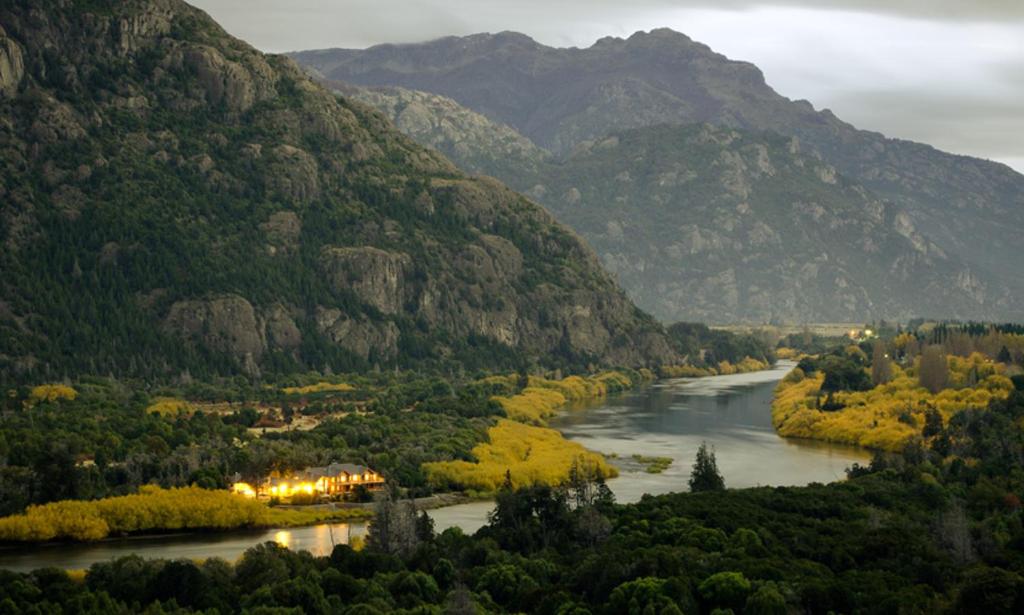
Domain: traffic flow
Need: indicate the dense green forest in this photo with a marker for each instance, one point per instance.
(108, 440)
(918, 532)
(704, 346)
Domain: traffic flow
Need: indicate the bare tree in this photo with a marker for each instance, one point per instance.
(393, 529)
(933, 371)
(953, 530)
(881, 365)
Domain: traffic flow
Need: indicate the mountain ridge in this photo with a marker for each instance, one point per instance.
(967, 207)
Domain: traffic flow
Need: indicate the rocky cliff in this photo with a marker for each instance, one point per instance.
(174, 201)
(562, 98)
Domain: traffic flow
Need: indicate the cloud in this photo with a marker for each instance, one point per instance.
(954, 121)
(885, 65)
(957, 10)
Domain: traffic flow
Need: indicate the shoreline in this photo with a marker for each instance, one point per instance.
(350, 512)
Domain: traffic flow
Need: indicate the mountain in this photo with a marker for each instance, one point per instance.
(176, 203)
(745, 226)
(968, 209)
(474, 142)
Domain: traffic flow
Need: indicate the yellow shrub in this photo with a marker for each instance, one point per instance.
(685, 371)
(533, 405)
(543, 397)
(787, 353)
(51, 393)
(319, 387)
(152, 508)
(887, 416)
(168, 406)
(532, 455)
(747, 364)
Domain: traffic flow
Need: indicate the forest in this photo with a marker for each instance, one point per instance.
(891, 393)
(923, 531)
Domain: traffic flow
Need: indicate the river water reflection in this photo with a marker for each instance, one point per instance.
(669, 419)
(730, 413)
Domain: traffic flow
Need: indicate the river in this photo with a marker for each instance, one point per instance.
(668, 419)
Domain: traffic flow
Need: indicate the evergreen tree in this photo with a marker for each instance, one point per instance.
(705, 475)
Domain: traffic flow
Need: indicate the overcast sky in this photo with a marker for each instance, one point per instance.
(945, 72)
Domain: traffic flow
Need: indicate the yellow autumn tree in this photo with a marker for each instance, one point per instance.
(888, 416)
(51, 393)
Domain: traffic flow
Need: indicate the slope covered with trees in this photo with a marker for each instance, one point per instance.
(177, 204)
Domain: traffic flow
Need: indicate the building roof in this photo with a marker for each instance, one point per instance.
(313, 473)
(334, 469)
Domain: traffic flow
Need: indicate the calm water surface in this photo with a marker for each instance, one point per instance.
(669, 419)
(731, 413)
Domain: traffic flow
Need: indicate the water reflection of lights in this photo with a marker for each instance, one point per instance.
(283, 538)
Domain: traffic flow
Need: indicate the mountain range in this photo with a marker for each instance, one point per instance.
(939, 234)
(176, 204)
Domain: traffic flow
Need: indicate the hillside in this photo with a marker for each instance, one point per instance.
(737, 225)
(178, 204)
(560, 98)
(741, 226)
(476, 144)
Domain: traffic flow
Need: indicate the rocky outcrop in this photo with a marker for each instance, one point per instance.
(226, 324)
(282, 230)
(474, 142)
(12, 65)
(376, 276)
(293, 176)
(280, 329)
(362, 337)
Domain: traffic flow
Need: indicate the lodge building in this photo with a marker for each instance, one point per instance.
(329, 480)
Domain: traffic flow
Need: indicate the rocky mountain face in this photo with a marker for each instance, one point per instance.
(561, 99)
(475, 143)
(175, 202)
(746, 226)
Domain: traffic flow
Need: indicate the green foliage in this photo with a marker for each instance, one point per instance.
(708, 347)
(931, 534)
(843, 374)
(705, 475)
(725, 590)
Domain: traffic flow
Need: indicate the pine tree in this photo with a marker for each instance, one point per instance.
(705, 475)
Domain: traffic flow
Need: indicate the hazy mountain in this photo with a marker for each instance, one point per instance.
(714, 224)
(475, 143)
(175, 201)
(967, 209)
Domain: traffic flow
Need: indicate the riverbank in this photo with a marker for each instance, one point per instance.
(154, 510)
(888, 416)
(521, 449)
(723, 368)
(666, 419)
(430, 502)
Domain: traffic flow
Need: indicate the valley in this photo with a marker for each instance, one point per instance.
(477, 324)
